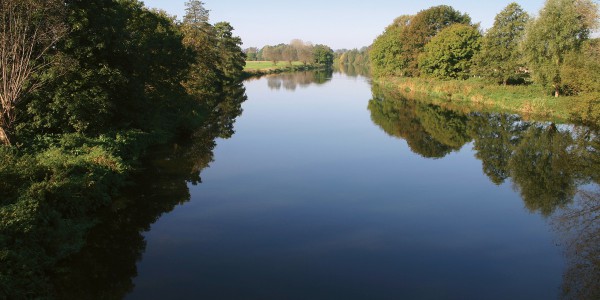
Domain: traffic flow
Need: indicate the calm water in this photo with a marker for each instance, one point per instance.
(333, 189)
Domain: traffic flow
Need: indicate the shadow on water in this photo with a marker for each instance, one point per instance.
(105, 266)
(550, 165)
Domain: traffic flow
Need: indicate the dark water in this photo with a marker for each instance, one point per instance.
(331, 188)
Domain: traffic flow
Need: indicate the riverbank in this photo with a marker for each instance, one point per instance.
(57, 188)
(261, 68)
(477, 95)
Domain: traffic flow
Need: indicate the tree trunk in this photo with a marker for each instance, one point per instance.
(4, 137)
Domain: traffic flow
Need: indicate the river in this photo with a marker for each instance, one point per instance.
(329, 187)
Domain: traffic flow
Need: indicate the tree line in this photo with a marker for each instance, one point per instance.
(554, 49)
(354, 57)
(296, 50)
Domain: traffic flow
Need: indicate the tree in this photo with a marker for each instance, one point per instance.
(232, 58)
(195, 13)
(305, 53)
(581, 70)
(272, 53)
(251, 53)
(562, 27)
(500, 57)
(205, 76)
(303, 50)
(323, 55)
(29, 30)
(581, 76)
(289, 54)
(121, 67)
(387, 54)
(448, 55)
(423, 27)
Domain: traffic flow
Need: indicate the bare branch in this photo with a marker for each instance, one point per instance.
(29, 29)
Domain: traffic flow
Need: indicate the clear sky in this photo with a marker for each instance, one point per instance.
(339, 24)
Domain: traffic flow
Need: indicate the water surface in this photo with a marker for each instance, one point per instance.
(332, 188)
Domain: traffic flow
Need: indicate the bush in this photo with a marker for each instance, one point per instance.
(48, 202)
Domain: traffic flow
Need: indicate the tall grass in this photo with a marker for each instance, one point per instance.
(530, 101)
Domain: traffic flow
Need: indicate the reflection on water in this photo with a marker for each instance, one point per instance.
(354, 70)
(104, 268)
(580, 229)
(291, 81)
(548, 164)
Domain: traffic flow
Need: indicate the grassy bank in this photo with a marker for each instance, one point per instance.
(268, 65)
(259, 68)
(532, 102)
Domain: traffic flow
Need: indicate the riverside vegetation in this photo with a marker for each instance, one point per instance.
(296, 56)
(88, 87)
(439, 52)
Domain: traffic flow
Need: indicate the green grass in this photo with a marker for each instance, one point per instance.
(532, 102)
(268, 65)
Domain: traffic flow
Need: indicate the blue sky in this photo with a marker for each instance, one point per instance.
(339, 24)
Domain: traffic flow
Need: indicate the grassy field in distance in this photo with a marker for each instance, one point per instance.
(268, 65)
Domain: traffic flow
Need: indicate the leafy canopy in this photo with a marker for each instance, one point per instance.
(449, 54)
(562, 27)
(423, 27)
(500, 57)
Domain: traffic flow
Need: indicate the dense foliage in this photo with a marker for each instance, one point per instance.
(354, 57)
(561, 28)
(121, 79)
(449, 53)
(387, 54)
(517, 49)
(500, 58)
(397, 50)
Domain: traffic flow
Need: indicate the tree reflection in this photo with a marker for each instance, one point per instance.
(447, 127)
(542, 167)
(291, 81)
(398, 118)
(580, 228)
(495, 136)
(354, 70)
(546, 164)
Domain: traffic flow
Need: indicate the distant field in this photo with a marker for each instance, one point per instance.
(268, 65)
